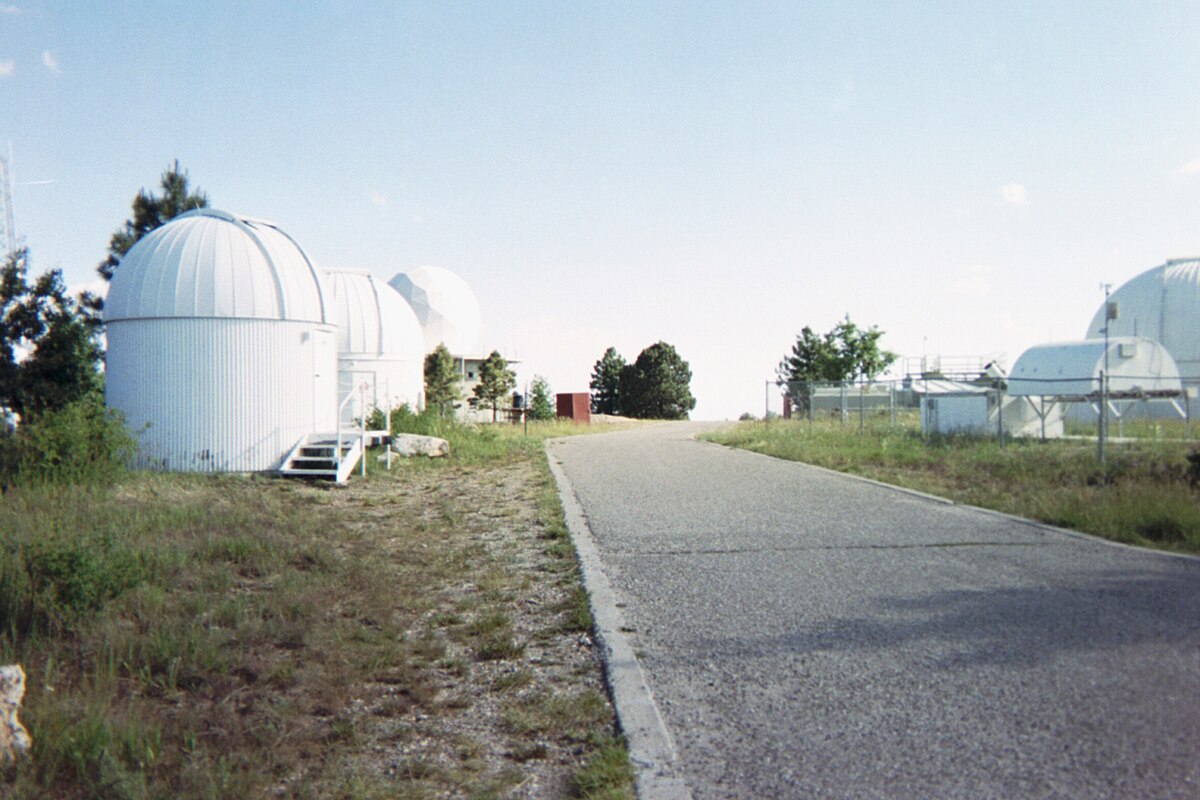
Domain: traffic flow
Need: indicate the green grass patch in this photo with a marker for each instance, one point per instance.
(1145, 494)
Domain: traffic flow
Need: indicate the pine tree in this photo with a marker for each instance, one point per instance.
(151, 211)
(540, 407)
(443, 383)
(657, 385)
(606, 383)
(496, 380)
(62, 357)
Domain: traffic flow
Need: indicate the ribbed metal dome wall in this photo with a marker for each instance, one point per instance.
(1162, 303)
(221, 351)
(379, 341)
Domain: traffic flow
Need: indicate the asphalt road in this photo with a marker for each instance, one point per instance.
(807, 634)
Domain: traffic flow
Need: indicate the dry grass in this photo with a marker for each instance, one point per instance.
(415, 634)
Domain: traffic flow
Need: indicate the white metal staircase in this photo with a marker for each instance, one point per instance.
(327, 456)
(333, 456)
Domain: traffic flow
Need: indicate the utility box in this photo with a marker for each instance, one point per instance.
(575, 406)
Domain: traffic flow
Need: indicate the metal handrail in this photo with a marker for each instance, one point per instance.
(341, 408)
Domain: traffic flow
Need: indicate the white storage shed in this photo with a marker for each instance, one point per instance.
(222, 353)
(955, 407)
(380, 343)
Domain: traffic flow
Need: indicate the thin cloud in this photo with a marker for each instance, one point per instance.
(7, 9)
(50, 61)
(378, 198)
(1191, 168)
(7, 68)
(1014, 194)
(974, 281)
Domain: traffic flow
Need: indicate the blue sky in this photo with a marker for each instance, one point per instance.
(716, 175)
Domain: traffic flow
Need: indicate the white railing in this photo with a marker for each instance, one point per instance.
(362, 423)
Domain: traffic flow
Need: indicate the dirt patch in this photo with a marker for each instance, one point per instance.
(501, 693)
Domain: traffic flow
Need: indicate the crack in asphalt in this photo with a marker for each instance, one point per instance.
(809, 548)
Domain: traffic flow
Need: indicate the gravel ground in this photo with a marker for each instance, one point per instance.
(514, 726)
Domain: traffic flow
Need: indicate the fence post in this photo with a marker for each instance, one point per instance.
(862, 398)
(999, 414)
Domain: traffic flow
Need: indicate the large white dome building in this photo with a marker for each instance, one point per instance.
(445, 306)
(222, 351)
(1162, 303)
(380, 342)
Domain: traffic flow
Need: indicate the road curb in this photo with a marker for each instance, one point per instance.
(651, 750)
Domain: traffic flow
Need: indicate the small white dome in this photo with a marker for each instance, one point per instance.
(209, 263)
(372, 318)
(1162, 303)
(445, 306)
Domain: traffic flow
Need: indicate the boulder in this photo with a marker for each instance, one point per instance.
(14, 739)
(411, 444)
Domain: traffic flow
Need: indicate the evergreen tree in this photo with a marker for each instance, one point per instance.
(150, 211)
(41, 321)
(540, 407)
(443, 382)
(657, 385)
(606, 383)
(496, 380)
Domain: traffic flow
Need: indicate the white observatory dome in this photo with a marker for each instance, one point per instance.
(379, 341)
(207, 263)
(1162, 303)
(445, 306)
(221, 351)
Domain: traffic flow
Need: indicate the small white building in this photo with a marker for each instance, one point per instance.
(380, 344)
(222, 352)
(960, 407)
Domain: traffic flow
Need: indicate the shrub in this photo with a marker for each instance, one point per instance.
(83, 442)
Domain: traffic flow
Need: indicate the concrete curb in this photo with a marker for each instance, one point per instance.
(651, 750)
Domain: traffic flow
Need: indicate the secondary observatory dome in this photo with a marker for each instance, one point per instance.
(1162, 303)
(221, 350)
(445, 306)
(379, 340)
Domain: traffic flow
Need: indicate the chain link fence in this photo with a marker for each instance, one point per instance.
(980, 405)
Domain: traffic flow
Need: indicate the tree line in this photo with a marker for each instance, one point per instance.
(657, 385)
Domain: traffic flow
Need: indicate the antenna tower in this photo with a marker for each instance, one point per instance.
(9, 230)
